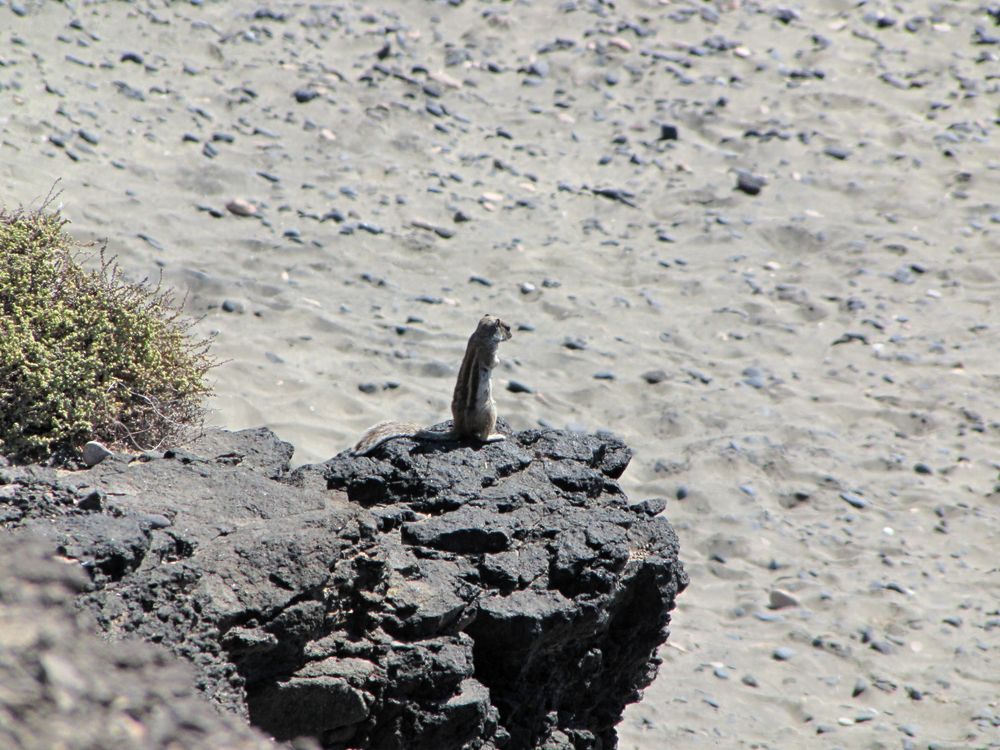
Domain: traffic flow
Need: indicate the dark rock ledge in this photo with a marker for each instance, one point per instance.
(431, 596)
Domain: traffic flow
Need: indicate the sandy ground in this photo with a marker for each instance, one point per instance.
(810, 373)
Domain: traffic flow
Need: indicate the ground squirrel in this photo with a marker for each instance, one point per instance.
(472, 407)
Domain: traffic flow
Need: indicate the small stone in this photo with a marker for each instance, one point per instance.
(574, 343)
(95, 452)
(604, 375)
(782, 653)
(768, 617)
(781, 599)
(516, 386)
(922, 468)
(749, 183)
(668, 132)
(233, 306)
(749, 680)
(133, 57)
(654, 376)
(305, 94)
(94, 501)
(88, 136)
(860, 686)
(682, 492)
(753, 377)
(241, 207)
(855, 501)
(837, 152)
(367, 387)
(721, 673)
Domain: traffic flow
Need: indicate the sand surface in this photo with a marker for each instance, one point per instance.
(810, 374)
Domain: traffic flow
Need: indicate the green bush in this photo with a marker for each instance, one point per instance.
(85, 355)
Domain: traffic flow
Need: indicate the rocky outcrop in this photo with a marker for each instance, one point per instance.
(429, 596)
(62, 686)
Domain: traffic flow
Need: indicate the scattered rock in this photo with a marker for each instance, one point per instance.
(241, 207)
(780, 599)
(750, 184)
(95, 452)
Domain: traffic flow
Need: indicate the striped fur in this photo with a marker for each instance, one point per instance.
(472, 407)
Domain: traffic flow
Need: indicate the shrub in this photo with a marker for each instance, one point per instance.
(85, 355)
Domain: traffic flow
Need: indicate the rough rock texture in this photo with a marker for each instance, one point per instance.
(425, 597)
(62, 686)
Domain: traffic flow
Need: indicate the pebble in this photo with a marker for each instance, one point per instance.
(88, 136)
(94, 501)
(305, 94)
(768, 617)
(782, 653)
(604, 375)
(516, 386)
(837, 152)
(151, 241)
(574, 343)
(860, 686)
(241, 207)
(129, 91)
(749, 680)
(750, 184)
(853, 500)
(753, 377)
(233, 306)
(367, 387)
(780, 599)
(654, 376)
(94, 452)
(668, 132)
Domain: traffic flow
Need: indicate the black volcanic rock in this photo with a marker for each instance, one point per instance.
(432, 595)
(63, 686)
